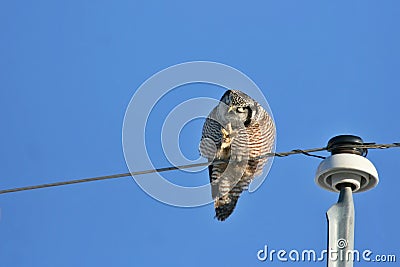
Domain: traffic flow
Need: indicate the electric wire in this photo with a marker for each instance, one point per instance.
(306, 152)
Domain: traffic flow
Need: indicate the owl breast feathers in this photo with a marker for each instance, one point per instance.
(236, 133)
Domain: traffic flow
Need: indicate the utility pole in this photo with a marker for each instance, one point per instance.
(346, 171)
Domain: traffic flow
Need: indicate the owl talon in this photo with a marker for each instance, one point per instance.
(225, 133)
(226, 139)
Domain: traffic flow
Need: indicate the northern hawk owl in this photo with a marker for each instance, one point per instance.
(236, 134)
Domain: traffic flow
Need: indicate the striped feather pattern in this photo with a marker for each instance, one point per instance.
(229, 179)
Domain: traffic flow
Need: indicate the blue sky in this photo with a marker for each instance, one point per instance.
(69, 69)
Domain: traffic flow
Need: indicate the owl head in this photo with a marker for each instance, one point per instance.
(238, 107)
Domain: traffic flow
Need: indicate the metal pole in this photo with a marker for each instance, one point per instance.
(341, 230)
(346, 171)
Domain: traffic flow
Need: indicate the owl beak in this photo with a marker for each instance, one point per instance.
(230, 108)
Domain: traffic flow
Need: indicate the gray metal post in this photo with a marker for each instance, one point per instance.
(341, 230)
(345, 171)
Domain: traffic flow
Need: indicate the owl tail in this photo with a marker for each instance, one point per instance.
(224, 206)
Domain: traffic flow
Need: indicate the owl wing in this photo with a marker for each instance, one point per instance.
(211, 138)
(210, 143)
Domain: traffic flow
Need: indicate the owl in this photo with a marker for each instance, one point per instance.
(236, 135)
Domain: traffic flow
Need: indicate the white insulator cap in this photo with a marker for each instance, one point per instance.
(354, 170)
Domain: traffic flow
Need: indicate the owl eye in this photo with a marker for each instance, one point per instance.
(240, 110)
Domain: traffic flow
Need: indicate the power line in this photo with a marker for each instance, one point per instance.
(306, 152)
(98, 178)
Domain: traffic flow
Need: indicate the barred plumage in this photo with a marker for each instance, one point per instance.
(235, 132)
